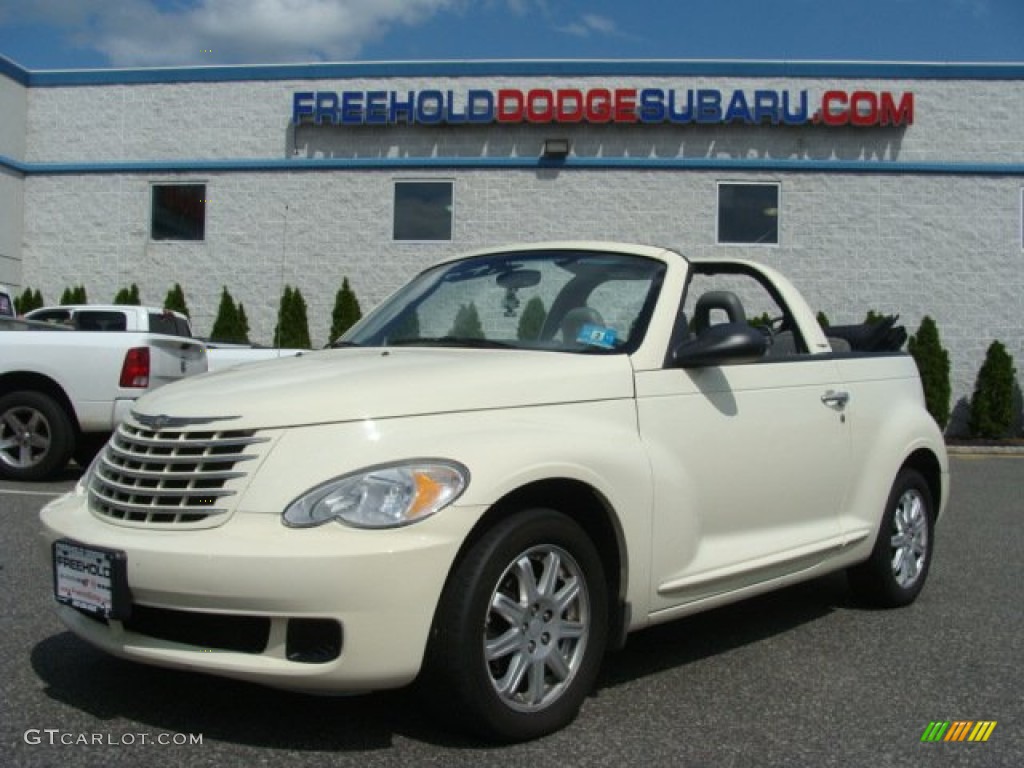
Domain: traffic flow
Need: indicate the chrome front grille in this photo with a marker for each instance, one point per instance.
(171, 478)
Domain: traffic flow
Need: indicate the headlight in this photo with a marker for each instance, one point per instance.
(381, 497)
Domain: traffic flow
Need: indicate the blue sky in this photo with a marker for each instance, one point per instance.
(62, 34)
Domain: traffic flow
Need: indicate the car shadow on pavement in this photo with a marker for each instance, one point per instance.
(109, 689)
(715, 632)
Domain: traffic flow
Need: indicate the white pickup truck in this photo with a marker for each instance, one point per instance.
(120, 317)
(62, 392)
(519, 458)
(115, 317)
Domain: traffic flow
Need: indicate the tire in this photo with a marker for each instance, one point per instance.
(36, 436)
(87, 445)
(520, 631)
(895, 573)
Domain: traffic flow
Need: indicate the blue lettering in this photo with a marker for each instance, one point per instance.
(402, 111)
(794, 118)
(429, 107)
(377, 108)
(652, 106)
(351, 108)
(683, 115)
(480, 107)
(326, 107)
(451, 116)
(766, 105)
(738, 110)
(302, 105)
(709, 106)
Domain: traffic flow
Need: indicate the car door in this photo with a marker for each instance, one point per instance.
(750, 468)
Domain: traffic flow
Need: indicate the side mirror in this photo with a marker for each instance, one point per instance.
(723, 344)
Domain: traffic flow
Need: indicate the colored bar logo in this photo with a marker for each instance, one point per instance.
(958, 730)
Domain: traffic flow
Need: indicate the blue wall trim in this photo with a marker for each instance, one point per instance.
(521, 163)
(554, 68)
(12, 71)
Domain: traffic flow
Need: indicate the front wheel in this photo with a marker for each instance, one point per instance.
(895, 573)
(520, 632)
(36, 437)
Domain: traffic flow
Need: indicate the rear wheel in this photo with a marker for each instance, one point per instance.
(895, 573)
(520, 632)
(36, 438)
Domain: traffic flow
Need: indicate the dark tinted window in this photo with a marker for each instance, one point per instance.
(423, 210)
(100, 321)
(179, 212)
(168, 324)
(748, 214)
(52, 316)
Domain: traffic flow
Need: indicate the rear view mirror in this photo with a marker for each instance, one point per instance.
(723, 344)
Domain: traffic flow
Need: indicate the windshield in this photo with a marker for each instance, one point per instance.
(572, 301)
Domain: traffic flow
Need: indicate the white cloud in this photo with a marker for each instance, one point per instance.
(168, 32)
(590, 24)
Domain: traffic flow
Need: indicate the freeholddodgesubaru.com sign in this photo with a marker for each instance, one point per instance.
(700, 106)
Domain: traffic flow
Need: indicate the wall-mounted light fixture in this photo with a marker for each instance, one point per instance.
(555, 149)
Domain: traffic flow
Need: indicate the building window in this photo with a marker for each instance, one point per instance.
(748, 213)
(423, 210)
(179, 212)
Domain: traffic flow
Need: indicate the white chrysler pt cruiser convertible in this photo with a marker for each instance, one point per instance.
(519, 458)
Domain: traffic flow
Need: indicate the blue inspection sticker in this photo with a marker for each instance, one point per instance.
(596, 336)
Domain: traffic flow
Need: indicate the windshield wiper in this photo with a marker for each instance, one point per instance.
(339, 344)
(452, 341)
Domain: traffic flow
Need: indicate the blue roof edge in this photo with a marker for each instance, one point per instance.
(781, 165)
(522, 68)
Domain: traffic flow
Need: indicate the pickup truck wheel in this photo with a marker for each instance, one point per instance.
(896, 571)
(35, 436)
(520, 632)
(87, 445)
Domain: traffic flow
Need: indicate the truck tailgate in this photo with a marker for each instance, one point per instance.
(173, 358)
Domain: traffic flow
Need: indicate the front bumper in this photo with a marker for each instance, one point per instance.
(380, 587)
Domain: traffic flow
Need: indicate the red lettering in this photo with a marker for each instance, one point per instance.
(891, 114)
(625, 106)
(569, 106)
(510, 106)
(599, 106)
(863, 108)
(830, 117)
(545, 112)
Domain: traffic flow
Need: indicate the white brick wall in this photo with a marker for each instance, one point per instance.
(13, 108)
(945, 245)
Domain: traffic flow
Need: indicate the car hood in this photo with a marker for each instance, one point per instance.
(355, 384)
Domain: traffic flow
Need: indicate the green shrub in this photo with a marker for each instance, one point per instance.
(226, 326)
(346, 311)
(175, 300)
(467, 323)
(243, 324)
(75, 295)
(531, 322)
(933, 364)
(991, 413)
(405, 327)
(292, 328)
(128, 296)
(28, 301)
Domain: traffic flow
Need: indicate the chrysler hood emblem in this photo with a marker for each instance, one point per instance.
(163, 421)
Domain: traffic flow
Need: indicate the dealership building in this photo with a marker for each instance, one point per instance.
(897, 188)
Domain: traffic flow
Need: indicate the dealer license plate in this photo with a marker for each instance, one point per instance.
(91, 579)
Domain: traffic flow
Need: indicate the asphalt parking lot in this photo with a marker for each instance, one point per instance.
(802, 677)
